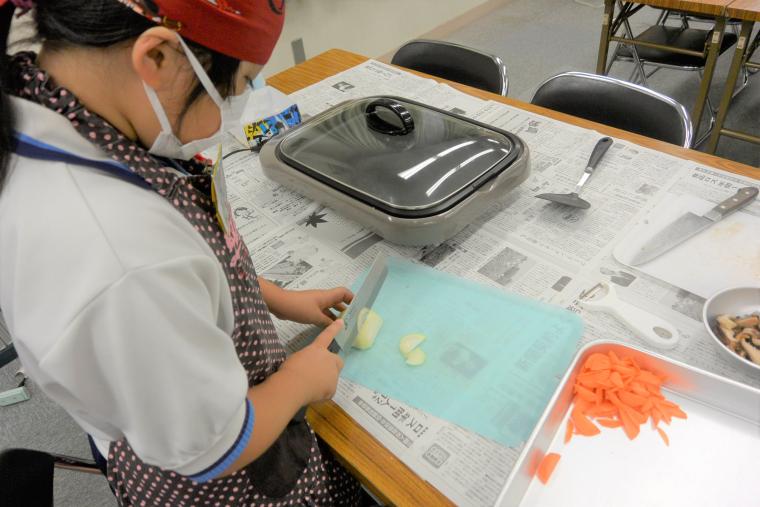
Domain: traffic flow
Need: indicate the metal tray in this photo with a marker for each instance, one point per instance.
(712, 460)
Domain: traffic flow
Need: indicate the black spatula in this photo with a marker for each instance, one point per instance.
(572, 198)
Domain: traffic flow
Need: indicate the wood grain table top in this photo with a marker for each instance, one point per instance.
(746, 10)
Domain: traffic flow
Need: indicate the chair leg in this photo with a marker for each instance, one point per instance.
(637, 61)
(663, 17)
(698, 141)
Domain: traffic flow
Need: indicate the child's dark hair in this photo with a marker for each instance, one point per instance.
(94, 23)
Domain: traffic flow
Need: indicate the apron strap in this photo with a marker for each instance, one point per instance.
(26, 146)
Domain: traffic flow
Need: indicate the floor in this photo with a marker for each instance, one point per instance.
(537, 39)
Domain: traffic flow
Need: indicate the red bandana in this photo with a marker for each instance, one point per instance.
(243, 29)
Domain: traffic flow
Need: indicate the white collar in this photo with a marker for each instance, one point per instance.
(39, 122)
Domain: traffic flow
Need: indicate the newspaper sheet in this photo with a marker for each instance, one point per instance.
(529, 246)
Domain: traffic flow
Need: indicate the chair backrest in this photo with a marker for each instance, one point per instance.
(26, 478)
(455, 63)
(618, 104)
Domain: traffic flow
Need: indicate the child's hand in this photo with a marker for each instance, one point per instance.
(313, 306)
(314, 368)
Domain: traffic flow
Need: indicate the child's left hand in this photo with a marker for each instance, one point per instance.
(314, 306)
(306, 306)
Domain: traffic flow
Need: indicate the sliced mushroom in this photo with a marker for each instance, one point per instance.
(729, 338)
(726, 321)
(749, 321)
(752, 352)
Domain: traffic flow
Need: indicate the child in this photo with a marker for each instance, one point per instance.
(128, 303)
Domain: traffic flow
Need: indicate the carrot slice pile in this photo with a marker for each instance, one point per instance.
(546, 467)
(615, 393)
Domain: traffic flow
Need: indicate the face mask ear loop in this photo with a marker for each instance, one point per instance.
(157, 108)
(201, 73)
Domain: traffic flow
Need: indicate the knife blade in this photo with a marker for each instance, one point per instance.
(690, 224)
(364, 298)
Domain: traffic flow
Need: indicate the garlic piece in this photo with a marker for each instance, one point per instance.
(369, 323)
(410, 342)
(416, 357)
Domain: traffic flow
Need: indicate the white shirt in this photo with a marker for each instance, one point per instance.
(118, 308)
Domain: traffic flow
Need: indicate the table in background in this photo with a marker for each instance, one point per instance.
(378, 469)
(748, 11)
(715, 9)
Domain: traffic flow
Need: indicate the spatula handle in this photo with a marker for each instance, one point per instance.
(599, 150)
(602, 145)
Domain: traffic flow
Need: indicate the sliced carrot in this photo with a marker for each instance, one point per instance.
(616, 379)
(583, 425)
(569, 431)
(614, 392)
(648, 377)
(639, 389)
(625, 370)
(605, 409)
(637, 416)
(582, 404)
(631, 399)
(609, 423)
(656, 417)
(597, 362)
(663, 435)
(585, 393)
(546, 467)
(631, 428)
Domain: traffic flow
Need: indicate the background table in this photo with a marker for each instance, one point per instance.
(748, 11)
(386, 476)
(711, 8)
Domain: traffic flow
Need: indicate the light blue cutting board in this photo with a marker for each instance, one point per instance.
(493, 358)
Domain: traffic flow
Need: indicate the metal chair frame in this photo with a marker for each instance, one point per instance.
(640, 74)
(681, 111)
(498, 62)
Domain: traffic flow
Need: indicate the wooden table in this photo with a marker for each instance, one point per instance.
(712, 8)
(378, 469)
(748, 11)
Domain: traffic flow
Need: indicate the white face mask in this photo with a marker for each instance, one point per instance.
(167, 144)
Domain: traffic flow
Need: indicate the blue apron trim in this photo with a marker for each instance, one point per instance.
(30, 147)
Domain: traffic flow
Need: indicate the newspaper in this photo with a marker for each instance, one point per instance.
(528, 246)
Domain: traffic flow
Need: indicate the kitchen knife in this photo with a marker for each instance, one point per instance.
(689, 224)
(364, 298)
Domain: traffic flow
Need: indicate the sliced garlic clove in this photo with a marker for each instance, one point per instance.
(410, 342)
(370, 323)
(416, 357)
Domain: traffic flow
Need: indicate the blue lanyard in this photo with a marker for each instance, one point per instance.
(30, 147)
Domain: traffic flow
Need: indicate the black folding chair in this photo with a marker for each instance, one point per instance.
(455, 63)
(26, 476)
(654, 52)
(617, 103)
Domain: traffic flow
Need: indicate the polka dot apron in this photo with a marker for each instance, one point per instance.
(297, 469)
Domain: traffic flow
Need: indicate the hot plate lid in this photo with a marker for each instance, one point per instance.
(400, 156)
